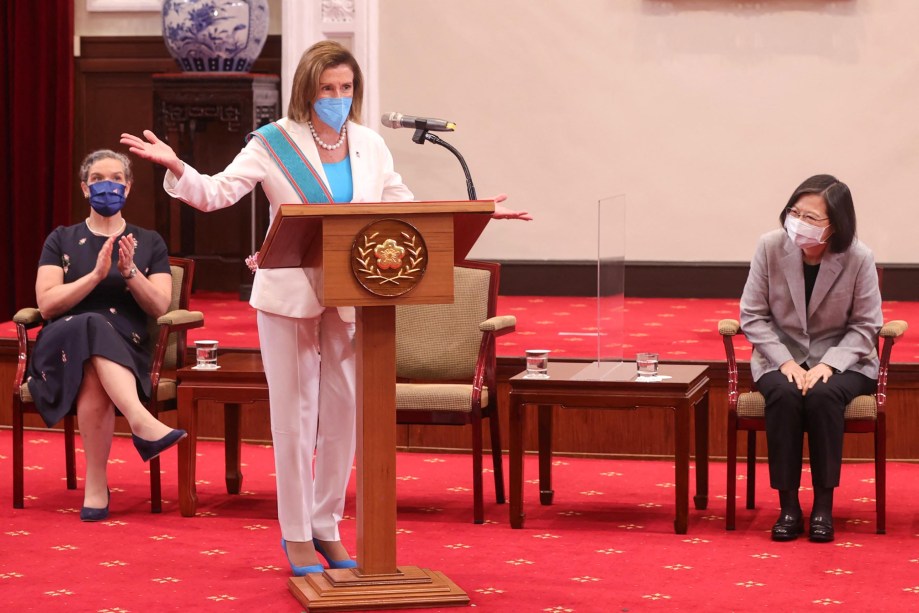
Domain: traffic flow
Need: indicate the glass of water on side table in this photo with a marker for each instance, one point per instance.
(537, 364)
(647, 364)
(206, 354)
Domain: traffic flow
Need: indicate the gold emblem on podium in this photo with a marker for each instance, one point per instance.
(388, 257)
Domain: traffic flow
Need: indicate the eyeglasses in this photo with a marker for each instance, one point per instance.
(805, 217)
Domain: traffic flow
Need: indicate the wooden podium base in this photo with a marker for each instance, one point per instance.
(346, 590)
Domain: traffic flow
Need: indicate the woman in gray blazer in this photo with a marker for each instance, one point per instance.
(811, 308)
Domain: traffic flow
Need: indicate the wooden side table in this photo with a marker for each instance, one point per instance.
(239, 380)
(611, 386)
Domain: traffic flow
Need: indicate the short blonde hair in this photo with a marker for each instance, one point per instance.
(324, 54)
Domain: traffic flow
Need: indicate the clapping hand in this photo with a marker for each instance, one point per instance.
(126, 254)
(104, 259)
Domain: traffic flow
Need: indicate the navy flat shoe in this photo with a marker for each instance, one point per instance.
(349, 563)
(91, 514)
(300, 571)
(150, 449)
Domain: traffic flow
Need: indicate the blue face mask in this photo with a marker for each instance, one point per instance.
(333, 111)
(106, 197)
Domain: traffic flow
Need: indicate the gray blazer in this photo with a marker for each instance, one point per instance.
(839, 327)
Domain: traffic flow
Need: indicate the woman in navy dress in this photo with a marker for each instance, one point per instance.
(98, 282)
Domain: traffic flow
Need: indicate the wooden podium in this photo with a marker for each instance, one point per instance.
(374, 257)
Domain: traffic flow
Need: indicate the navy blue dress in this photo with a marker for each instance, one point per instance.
(108, 322)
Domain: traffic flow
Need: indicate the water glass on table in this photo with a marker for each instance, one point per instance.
(206, 354)
(537, 364)
(646, 364)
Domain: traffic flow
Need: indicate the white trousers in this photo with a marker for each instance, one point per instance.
(313, 407)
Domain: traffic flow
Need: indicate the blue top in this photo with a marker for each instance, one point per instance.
(339, 175)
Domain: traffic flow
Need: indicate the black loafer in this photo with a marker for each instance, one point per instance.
(788, 527)
(821, 529)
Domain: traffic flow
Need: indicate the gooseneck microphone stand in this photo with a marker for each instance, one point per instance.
(422, 135)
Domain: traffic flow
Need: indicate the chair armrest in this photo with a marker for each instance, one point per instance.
(728, 327)
(181, 319)
(28, 317)
(894, 329)
(502, 324)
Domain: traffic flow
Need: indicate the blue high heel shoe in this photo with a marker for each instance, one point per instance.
(349, 563)
(91, 514)
(150, 449)
(300, 571)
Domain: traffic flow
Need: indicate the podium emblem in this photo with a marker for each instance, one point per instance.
(388, 257)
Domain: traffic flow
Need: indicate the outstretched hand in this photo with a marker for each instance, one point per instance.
(155, 150)
(502, 212)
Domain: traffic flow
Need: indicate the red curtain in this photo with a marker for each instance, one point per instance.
(36, 141)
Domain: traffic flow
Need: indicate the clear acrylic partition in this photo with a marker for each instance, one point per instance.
(610, 287)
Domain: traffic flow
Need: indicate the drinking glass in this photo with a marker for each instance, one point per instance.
(647, 364)
(537, 364)
(206, 353)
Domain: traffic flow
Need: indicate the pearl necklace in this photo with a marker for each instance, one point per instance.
(327, 147)
(124, 224)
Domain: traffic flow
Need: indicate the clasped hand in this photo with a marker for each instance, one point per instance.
(805, 379)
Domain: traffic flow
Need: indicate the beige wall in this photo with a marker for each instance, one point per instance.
(705, 113)
(140, 23)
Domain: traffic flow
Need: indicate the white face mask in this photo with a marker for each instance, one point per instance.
(803, 234)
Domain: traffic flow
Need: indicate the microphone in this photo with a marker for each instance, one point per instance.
(398, 120)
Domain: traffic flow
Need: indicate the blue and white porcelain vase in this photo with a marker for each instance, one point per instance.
(215, 35)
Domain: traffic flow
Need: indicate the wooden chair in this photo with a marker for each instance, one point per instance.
(167, 335)
(445, 362)
(746, 411)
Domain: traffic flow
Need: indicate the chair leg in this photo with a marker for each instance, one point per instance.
(730, 519)
(18, 465)
(478, 511)
(751, 469)
(156, 492)
(880, 472)
(70, 452)
(497, 457)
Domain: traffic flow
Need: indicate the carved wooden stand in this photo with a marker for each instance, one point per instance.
(205, 118)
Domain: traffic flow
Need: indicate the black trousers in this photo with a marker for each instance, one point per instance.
(789, 414)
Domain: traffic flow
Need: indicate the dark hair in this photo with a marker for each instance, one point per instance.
(839, 208)
(322, 55)
(104, 154)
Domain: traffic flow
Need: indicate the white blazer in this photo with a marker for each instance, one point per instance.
(288, 291)
(838, 327)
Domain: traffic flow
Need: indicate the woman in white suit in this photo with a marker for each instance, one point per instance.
(317, 154)
(811, 308)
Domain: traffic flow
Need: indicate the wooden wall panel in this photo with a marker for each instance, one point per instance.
(113, 91)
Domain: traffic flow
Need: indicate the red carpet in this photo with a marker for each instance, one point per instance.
(605, 545)
(679, 330)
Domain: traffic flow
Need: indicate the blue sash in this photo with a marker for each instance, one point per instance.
(296, 168)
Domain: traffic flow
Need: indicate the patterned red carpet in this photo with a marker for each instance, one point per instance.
(685, 329)
(605, 545)
(678, 329)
